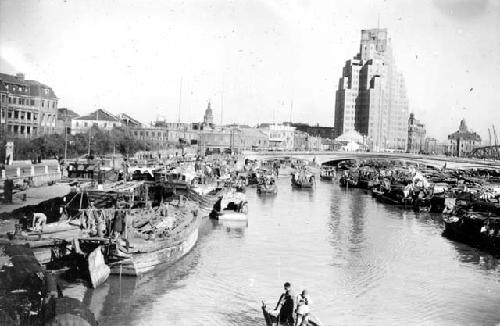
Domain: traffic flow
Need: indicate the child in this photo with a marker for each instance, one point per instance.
(303, 302)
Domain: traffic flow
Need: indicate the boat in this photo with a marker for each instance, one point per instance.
(303, 179)
(267, 186)
(272, 320)
(231, 206)
(163, 243)
(327, 173)
(480, 230)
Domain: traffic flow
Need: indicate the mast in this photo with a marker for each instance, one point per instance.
(180, 102)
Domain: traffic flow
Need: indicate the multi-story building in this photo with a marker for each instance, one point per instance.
(416, 135)
(232, 140)
(28, 108)
(99, 118)
(281, 137)
(371, 95)
(463, 141)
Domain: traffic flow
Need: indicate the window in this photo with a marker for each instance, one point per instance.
(76, 124)
(35, 117)
(32, 102)
(85, 124)
(16, 114)
(28, 115)
(43, 103)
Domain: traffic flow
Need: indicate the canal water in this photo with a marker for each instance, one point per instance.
(363, 262)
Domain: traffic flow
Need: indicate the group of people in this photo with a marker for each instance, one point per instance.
(293, 309)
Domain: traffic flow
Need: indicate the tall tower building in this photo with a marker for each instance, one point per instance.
(208, 118)
(371, 95)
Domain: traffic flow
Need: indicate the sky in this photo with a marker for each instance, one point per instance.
(256, 61)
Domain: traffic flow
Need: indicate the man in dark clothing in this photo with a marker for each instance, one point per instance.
(286, 304)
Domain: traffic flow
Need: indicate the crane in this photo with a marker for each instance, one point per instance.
(489, 134)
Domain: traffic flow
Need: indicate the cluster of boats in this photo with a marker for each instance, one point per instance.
(469, 199)
(149, 218)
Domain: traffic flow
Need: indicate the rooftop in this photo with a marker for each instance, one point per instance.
(99, 115)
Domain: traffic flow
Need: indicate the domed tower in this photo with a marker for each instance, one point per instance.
(208, 118)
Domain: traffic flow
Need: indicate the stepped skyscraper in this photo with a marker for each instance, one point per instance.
(371, 95)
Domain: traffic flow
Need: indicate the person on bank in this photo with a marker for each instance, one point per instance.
(39, 220)
(286, 305)
(303, 302)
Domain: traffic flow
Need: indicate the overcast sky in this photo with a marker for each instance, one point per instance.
(254, 56)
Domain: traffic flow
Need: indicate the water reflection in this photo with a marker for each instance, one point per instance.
(122, 300)
(235, 228)
(365, 263)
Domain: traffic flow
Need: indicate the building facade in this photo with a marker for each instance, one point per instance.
(317, 131)
(231, 140)
(281, 137)
(434, 147)
(416, 135)
(64, 118)
(99, 118)
(463, 141)
(28, 108)
(371, 95)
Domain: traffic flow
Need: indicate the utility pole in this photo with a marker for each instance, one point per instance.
(65, 135)
(88, 151)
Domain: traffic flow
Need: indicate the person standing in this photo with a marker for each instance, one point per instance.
(286, 305)
(303, 302)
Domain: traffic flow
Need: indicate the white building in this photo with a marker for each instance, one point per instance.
(281, 137)
(98, 118)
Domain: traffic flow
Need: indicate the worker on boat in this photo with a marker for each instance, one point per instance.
(303, 302)
(39, 220)
(286, 305)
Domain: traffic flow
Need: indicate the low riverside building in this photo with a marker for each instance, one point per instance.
(99, 118)
(351, 141)
(416, 135)
(231, 140)
(316, 131)
(28, 108)
(158, 137)
(64, 118)
(463, 141)
(434, 147)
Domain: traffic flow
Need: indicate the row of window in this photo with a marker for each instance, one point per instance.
(28, 101)
(87, 124)
(22, 130)
(20, 115)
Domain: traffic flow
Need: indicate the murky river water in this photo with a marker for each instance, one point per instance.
(364, 263)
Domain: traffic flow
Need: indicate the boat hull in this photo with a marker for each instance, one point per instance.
(141, 263)
(272, 320)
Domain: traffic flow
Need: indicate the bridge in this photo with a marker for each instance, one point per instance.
(328, 157)
(486, 152)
